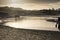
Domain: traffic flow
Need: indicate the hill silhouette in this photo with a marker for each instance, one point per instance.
(22, 12)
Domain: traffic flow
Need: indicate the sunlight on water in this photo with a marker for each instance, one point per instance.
(31, 23)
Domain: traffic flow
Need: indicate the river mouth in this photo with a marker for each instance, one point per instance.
(36, 23)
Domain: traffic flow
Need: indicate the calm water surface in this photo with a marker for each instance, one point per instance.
(36, 23)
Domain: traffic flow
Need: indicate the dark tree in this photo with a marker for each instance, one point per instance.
(3, 15)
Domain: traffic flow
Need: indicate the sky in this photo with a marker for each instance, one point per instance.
(32, 4)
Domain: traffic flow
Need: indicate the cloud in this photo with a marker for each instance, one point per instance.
(28, 1)
(32, 4)
(42, 1)
(3, 2)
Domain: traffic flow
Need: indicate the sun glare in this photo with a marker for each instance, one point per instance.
(13, 1)
(32, 24)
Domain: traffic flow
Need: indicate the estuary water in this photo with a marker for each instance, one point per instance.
(35, 23)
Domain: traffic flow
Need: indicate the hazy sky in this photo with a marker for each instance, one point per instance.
(32, 4)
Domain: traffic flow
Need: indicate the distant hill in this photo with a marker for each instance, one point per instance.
(21, 12)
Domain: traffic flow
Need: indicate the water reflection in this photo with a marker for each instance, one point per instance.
(37, 23)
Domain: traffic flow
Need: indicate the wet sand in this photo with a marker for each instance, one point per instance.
(9, 33)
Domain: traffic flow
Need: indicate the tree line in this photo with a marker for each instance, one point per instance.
(11, 12)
